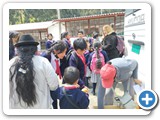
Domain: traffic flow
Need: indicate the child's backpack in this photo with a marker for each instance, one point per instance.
(71, 52)
(97, 62)
(120, 45)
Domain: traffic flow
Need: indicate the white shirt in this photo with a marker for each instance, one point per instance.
(45, 80)
(53, 63)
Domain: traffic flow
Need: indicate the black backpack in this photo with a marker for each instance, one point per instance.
(71, 52)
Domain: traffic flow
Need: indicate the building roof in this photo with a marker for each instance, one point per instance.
(31, 26)
(90, 17)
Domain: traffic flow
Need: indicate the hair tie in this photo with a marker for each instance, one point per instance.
(109, 63)
(22, 70)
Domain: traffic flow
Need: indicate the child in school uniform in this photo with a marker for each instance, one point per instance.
(55, 53)
(97, 59)
(49, 41)
(78, 60)
(88, 72)
(69, 95)
(95, 37)
(65, 37)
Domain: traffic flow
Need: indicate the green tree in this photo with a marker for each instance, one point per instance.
(19, 16)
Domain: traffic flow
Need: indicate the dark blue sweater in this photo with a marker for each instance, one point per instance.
(80, 66)
(48, 44)
(86, 55)
(78, 97)
(69, 47)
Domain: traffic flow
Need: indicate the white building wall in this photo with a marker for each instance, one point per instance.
(54, 29)
(139, 26)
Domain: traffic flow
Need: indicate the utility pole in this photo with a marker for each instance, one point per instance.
(59, 17)
(101, 11)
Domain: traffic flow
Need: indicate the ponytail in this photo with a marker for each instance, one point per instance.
(63, 35)
(24, 75)
(98, 62)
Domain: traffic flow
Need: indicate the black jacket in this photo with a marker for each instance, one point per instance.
(109, 44)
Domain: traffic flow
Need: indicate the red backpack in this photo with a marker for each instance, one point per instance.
(95, 60)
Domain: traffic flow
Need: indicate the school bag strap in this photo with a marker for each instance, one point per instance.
(75, 57)
(73, 53)
(69, 54)
(68, 99)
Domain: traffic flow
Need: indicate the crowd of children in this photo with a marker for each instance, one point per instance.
(75, 65)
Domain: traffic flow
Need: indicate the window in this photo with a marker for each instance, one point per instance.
(130, 11)
(96, 25)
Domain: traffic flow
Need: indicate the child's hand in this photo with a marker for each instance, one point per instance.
(77, 86)
(85, 89)
(139, 82)
(91, 49)
(103, 37)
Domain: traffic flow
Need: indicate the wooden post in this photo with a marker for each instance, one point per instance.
(40, 35)
(65, 26)
(88, 26)
(59, 17)
(114, 23)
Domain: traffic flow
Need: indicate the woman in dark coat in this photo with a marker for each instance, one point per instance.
(110, 42)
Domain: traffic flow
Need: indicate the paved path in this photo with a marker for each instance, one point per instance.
(93, 98)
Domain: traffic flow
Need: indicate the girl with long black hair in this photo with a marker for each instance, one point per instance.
(96, 60)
